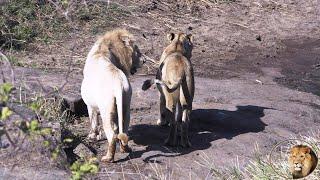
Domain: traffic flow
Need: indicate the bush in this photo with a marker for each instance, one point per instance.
(23, 21)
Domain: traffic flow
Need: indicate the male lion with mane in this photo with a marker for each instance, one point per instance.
(106, 88)
(302, 161)
(175, 82)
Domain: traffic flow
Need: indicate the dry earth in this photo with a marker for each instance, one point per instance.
(257, 82)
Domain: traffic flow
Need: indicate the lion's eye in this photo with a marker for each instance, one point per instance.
(301, 156)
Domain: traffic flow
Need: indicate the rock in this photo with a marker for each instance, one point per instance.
(74, 104)
(43, 82)
(22, 111)
(258, 38)
(83, 151)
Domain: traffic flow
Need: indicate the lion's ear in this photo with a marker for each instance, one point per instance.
(190, 37)
(170, 36)
(308, 150)
(126, 40)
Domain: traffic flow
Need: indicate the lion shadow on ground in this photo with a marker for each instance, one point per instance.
(206, 125)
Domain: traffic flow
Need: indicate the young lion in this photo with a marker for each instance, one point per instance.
(175, 82)
(302, 161)
(105, 86)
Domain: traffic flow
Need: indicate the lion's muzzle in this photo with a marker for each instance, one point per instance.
(297, 166)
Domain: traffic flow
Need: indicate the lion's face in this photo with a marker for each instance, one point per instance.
(137, 59)
(299, 158)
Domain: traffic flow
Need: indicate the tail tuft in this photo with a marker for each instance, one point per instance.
(147, 84)
(123, 138)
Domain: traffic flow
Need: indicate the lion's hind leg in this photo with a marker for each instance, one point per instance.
(108, 127)
(172, 138)
(185, 142)
(126, 108)
(163, 120)
(93, 117)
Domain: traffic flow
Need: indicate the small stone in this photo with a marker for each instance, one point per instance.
(258, 38)
(83, 151)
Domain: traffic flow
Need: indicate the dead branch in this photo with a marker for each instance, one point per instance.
(9, 138)
(149, 59)
(64, 12)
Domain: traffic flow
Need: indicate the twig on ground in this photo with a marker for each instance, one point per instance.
(150, 60)
(9, 139)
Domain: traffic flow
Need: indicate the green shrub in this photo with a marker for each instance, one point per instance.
(23, 21)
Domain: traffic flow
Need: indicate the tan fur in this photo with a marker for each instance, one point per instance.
(123, 138)
(304, 158)
(176, 46)
(175, 82)
(118, 47)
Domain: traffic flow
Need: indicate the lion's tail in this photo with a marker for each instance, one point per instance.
(172, 87)
(147, 84)
(121, 136)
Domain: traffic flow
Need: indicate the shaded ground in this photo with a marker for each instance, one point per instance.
(257, 81)
(229, 118)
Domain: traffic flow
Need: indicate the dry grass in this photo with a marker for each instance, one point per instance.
(259, 167)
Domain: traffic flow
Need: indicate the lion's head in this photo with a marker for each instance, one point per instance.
(302, 161)
(122, 51)
(179, 42)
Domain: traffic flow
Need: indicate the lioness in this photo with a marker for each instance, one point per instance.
(302, 161)
(105, 86)
(175, 82)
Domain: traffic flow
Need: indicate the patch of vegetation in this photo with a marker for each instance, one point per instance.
(31, 128)
(23, 21)
(83, 167)
(49, 108)
(15, 61)
(5, 90)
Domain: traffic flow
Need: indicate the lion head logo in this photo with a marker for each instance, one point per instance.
(302, 161)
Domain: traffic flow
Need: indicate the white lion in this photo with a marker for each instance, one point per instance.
(105, 87)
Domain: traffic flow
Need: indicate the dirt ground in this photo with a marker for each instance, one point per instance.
(257, 81)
